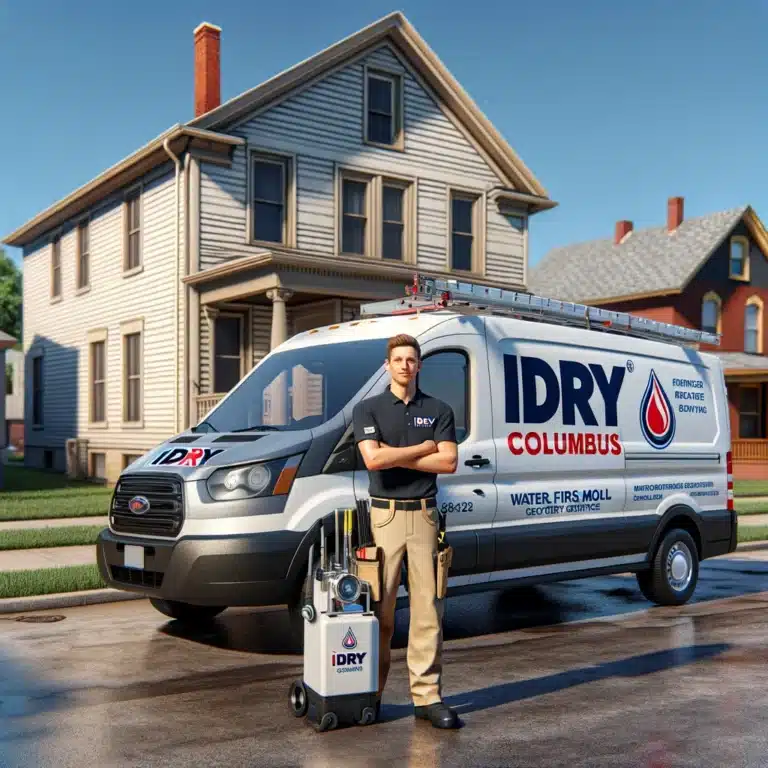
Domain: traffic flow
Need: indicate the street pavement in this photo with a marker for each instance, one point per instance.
(574, 674)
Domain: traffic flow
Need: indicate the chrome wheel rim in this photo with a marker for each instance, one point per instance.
(679, 566)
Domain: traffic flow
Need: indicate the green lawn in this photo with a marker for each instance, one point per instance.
(750, 487)
(31, 494)
(35, 538)
(753, 533)
(49, 581)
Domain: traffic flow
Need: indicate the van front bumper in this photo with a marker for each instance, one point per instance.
(240, 570)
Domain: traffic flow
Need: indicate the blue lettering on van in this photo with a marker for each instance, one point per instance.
(572, 392)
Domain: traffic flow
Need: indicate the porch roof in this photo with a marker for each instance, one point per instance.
(743, 365)
(6, 341)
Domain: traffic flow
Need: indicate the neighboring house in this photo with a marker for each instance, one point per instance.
(14, 399)
(150, 291)
(709, 272)
(6, 342)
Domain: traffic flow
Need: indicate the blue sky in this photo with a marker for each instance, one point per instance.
(614, 105)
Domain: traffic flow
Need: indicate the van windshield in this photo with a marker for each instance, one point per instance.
(299, 388)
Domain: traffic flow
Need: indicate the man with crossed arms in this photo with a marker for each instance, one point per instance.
(407, 438)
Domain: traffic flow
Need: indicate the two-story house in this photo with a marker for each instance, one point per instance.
(709, 272)
(150, 291)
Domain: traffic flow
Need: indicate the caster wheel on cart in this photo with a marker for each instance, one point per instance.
(367, 717)
(329, 722)
(299, 703)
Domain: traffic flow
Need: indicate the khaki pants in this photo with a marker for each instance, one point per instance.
(415, 532)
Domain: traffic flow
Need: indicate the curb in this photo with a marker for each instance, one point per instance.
(752, 546)
(65, 600)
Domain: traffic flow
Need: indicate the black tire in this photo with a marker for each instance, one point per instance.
(329, 722)
(367, 716)
(185, 612)
(674, 571)
(299, 701)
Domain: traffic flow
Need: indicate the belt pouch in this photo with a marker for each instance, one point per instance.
(444, 559)
(369, 570)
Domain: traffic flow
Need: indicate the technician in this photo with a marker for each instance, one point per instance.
(406, 439)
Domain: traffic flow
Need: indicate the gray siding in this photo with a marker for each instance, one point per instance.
(322, 127)
(59, 331)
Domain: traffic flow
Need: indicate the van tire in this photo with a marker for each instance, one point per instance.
(186, 612)
(674, 571)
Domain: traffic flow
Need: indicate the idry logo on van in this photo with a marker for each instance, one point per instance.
(572, 392)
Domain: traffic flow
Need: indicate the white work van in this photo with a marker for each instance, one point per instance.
(589, 443)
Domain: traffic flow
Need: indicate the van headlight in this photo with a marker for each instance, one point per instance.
(268, 478)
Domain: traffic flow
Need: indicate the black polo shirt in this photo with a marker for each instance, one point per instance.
(389, 420)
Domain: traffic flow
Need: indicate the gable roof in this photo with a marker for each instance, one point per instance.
(6, 340)
(207, 128)
(649, 262)
(398, 29)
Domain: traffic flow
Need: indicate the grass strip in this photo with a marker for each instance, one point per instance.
(53, 507)
(35, 538)
(749, 533)
(750, 487)
(750, 507)
(50, 581)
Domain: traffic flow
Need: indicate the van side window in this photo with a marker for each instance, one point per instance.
(445, 375)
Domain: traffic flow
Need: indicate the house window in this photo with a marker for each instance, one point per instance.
(8, 379)
(129, 458)
(750, 413)
(83, 250)
(227, 352)
(463, 233)
(739, 261)
(392, 222)
(383, 108)
(133, 230)
(753, 325)
(710, 313)
(56, 268)
(270, 199)
(132, 353)
(98, 381)
(98, 465)
(354, 216)
(445, 375)
(37, 391)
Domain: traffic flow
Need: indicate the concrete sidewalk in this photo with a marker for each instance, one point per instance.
(53, 522)
(46, 557)
(746, 520)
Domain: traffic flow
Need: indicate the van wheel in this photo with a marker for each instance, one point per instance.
(674, 570)
(189, 614)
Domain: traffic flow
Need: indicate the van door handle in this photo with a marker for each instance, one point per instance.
(477, 461)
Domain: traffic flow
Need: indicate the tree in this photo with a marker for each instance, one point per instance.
(10, 296)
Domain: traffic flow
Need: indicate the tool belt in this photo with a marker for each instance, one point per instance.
(404, 504)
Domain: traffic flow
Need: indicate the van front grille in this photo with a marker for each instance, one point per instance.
(165, 515)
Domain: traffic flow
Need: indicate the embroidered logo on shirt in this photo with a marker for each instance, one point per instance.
(423, 421)
(369, 430)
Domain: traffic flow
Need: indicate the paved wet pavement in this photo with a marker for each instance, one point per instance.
(571, 674)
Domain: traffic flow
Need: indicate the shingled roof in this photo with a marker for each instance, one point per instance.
(647, 261)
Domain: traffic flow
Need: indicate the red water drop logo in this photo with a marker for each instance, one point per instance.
(657, 417)
(349, 641)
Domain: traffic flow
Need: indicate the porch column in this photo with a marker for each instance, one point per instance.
(278, 297)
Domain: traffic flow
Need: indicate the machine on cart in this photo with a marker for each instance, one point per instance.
(341, 635)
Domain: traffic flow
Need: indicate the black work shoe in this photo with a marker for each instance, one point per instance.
(439, 714)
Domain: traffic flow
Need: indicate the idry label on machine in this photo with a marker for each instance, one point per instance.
(348, 660)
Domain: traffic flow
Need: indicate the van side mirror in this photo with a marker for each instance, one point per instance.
(345, 456)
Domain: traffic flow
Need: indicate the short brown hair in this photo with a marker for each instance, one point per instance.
(403, 340)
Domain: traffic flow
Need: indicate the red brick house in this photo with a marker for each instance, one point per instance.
(709, 272)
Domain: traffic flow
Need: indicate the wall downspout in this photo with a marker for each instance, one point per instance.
(177, 162)
(187, 400)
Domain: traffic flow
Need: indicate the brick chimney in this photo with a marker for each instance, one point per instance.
(207, 68)
(623, 228)
(674, 213)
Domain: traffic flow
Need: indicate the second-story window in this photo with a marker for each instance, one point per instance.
(710, 313)
(133, 230)
(269, 199)
(83, 251)
(462, 232)
(753, 320)
(354, 216)
(56, 268)
(393, 222)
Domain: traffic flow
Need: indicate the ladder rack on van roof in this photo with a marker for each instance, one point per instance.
(430, 294)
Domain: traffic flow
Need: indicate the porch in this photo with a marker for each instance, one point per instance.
(746, 378)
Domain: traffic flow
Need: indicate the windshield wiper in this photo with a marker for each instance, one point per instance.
(258, 427)
(196, 428)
